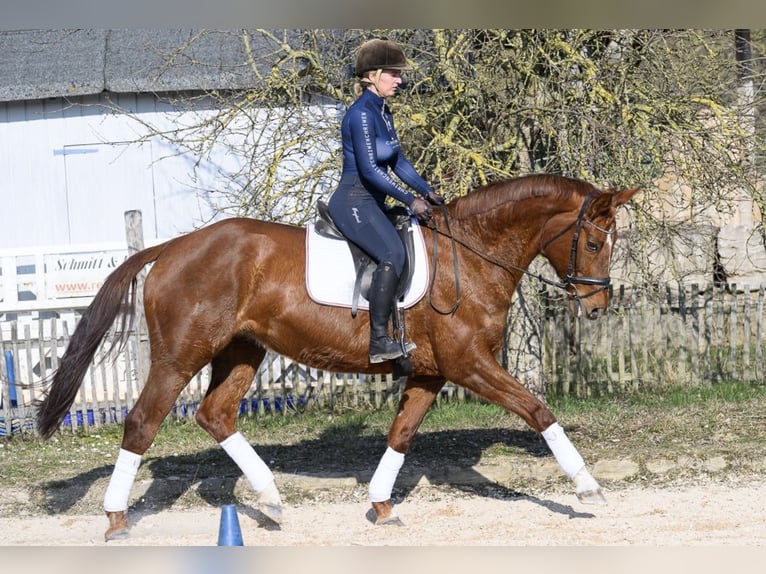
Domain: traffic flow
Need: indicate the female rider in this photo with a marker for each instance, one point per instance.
(370, 150)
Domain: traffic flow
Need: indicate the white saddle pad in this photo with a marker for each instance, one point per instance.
(330, 273)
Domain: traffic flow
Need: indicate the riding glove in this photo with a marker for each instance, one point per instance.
(434, 198)
(421, 210)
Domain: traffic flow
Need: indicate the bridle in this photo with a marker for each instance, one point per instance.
(571, 279)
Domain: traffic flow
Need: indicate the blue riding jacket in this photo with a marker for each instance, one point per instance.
(370, 151)
(371, 147)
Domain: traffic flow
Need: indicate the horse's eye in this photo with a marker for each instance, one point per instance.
(592, 246)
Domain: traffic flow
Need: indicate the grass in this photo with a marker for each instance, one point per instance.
(727, 419)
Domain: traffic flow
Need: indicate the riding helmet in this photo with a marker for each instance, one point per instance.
(379, 54)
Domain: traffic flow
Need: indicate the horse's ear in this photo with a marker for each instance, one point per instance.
(605, 202)
(622, 196)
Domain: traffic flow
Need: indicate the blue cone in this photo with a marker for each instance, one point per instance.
(229, 532)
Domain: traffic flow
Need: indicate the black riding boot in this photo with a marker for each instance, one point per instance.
(381, 298)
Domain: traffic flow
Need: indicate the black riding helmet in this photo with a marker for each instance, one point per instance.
(378, 54)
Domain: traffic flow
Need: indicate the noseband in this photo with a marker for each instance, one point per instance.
(572, 278)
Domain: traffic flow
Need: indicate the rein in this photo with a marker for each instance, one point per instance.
(571, 278)
(455, 264)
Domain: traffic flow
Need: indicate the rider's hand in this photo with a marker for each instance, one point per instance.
(434, 198)
(421, 209)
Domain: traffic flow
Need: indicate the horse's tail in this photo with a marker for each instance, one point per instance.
(117, 296)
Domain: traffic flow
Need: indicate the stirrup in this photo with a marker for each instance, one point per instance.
(384, 349)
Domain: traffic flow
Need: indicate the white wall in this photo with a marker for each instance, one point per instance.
(68, 174)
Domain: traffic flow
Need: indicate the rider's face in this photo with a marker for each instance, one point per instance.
(386, 82)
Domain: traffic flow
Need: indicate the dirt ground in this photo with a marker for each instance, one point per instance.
(704, 511)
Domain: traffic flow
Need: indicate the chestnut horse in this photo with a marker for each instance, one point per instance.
(226, 293)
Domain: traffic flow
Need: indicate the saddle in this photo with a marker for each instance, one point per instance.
(364, 265)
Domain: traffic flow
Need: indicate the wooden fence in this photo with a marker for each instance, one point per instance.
(657, 337)
(649, 338)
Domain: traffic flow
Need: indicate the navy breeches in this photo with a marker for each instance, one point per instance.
(362, 220)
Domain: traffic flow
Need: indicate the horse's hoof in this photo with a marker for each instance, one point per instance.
(118, 525)
(384, 514)
(270, 503)
(595, 497)
(272, 512)
(389, 521)
(587, 489)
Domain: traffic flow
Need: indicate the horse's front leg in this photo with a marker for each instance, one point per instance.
(491, 382)
(587, 489)
(417, 398)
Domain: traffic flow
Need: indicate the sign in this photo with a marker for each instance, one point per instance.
(79, 274)
(57, 277)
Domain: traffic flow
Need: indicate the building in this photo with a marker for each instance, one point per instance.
(77, 110)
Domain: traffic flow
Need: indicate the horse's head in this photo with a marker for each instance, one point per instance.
(579, 246)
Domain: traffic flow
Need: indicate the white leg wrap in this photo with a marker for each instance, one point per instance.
(382, 482)
(121, 483)
(566, 454)
(255, 470)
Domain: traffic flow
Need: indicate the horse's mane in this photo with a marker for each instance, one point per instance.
(493, 195)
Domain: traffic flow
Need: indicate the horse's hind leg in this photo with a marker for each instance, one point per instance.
(232, 374)
(417, 398)
(140, 428)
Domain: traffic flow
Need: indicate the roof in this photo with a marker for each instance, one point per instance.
(38, 64)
